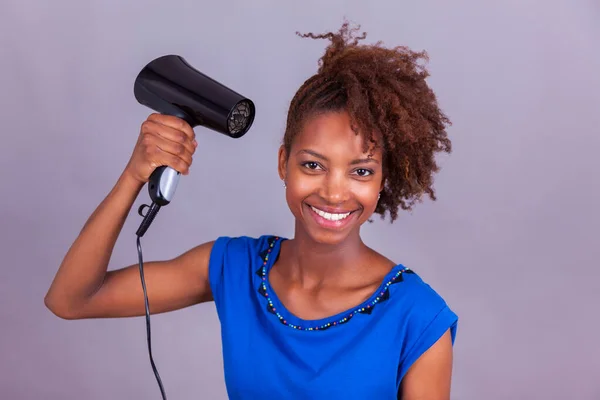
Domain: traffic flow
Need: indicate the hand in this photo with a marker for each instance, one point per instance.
(163, 140)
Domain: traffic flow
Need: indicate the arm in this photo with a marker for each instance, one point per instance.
(82, 287)
(430, 376)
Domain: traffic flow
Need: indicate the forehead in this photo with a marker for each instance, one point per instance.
(331, 133)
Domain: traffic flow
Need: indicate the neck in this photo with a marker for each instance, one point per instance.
(314, 264)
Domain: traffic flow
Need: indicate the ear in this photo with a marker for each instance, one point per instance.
(282, 165)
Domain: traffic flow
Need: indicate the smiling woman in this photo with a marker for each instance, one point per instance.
(320, 315)
(332, 186)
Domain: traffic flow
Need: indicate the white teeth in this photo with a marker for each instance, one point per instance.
(329, 216)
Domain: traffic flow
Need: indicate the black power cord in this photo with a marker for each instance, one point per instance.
(148, 218)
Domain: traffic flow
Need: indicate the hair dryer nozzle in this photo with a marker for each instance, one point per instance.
(170, 85)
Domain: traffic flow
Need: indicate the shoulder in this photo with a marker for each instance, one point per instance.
(419, 294)
(231, 254)
(241, 246)
(426, 317)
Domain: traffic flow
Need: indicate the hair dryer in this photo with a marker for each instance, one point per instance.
(170, 85)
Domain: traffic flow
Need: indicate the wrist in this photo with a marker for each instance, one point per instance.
(129, 183)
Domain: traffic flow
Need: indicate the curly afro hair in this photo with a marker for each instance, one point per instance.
(386, 96)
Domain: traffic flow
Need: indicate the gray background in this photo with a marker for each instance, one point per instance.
(512, 243)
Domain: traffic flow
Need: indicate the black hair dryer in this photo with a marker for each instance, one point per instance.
(169, 85)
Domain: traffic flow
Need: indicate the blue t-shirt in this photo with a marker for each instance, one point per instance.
(363, 353)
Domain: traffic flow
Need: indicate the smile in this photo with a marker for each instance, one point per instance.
(330, 216)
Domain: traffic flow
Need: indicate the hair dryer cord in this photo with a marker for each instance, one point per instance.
(148, 218)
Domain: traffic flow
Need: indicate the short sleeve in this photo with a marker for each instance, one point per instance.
(229, 270)
(216, 263)
(429, 319)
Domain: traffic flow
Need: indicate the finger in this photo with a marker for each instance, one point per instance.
(169, 133)
(161, 157)
(153, 146)
(175, 149)
(173, 122)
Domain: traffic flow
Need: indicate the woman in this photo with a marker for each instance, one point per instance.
(320, 315)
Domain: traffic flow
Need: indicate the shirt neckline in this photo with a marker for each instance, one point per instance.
(276, 307)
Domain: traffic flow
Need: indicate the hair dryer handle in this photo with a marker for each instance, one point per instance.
(162, 185)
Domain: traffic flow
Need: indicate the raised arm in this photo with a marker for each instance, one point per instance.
(82, 287)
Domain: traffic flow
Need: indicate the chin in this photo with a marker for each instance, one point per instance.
(330, 232)
(327, 238)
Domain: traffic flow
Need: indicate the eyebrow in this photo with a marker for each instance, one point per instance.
(353, 162)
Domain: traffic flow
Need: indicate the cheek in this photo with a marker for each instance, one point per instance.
(300, 185)
(366, 194)
(295, 194)
(296, 190)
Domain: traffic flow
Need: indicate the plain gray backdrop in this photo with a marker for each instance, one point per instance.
(512, 243)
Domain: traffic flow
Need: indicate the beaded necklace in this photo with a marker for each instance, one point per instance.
(382, 295)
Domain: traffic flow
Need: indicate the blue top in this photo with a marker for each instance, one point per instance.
(362, 353)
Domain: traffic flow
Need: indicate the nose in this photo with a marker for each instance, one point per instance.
(335, 188)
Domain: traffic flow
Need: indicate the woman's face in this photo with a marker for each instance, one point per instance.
(332, 185)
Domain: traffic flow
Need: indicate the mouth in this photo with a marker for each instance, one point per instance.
(332, 219)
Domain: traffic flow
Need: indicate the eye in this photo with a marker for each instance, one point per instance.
(362, 172)
(311, 165)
